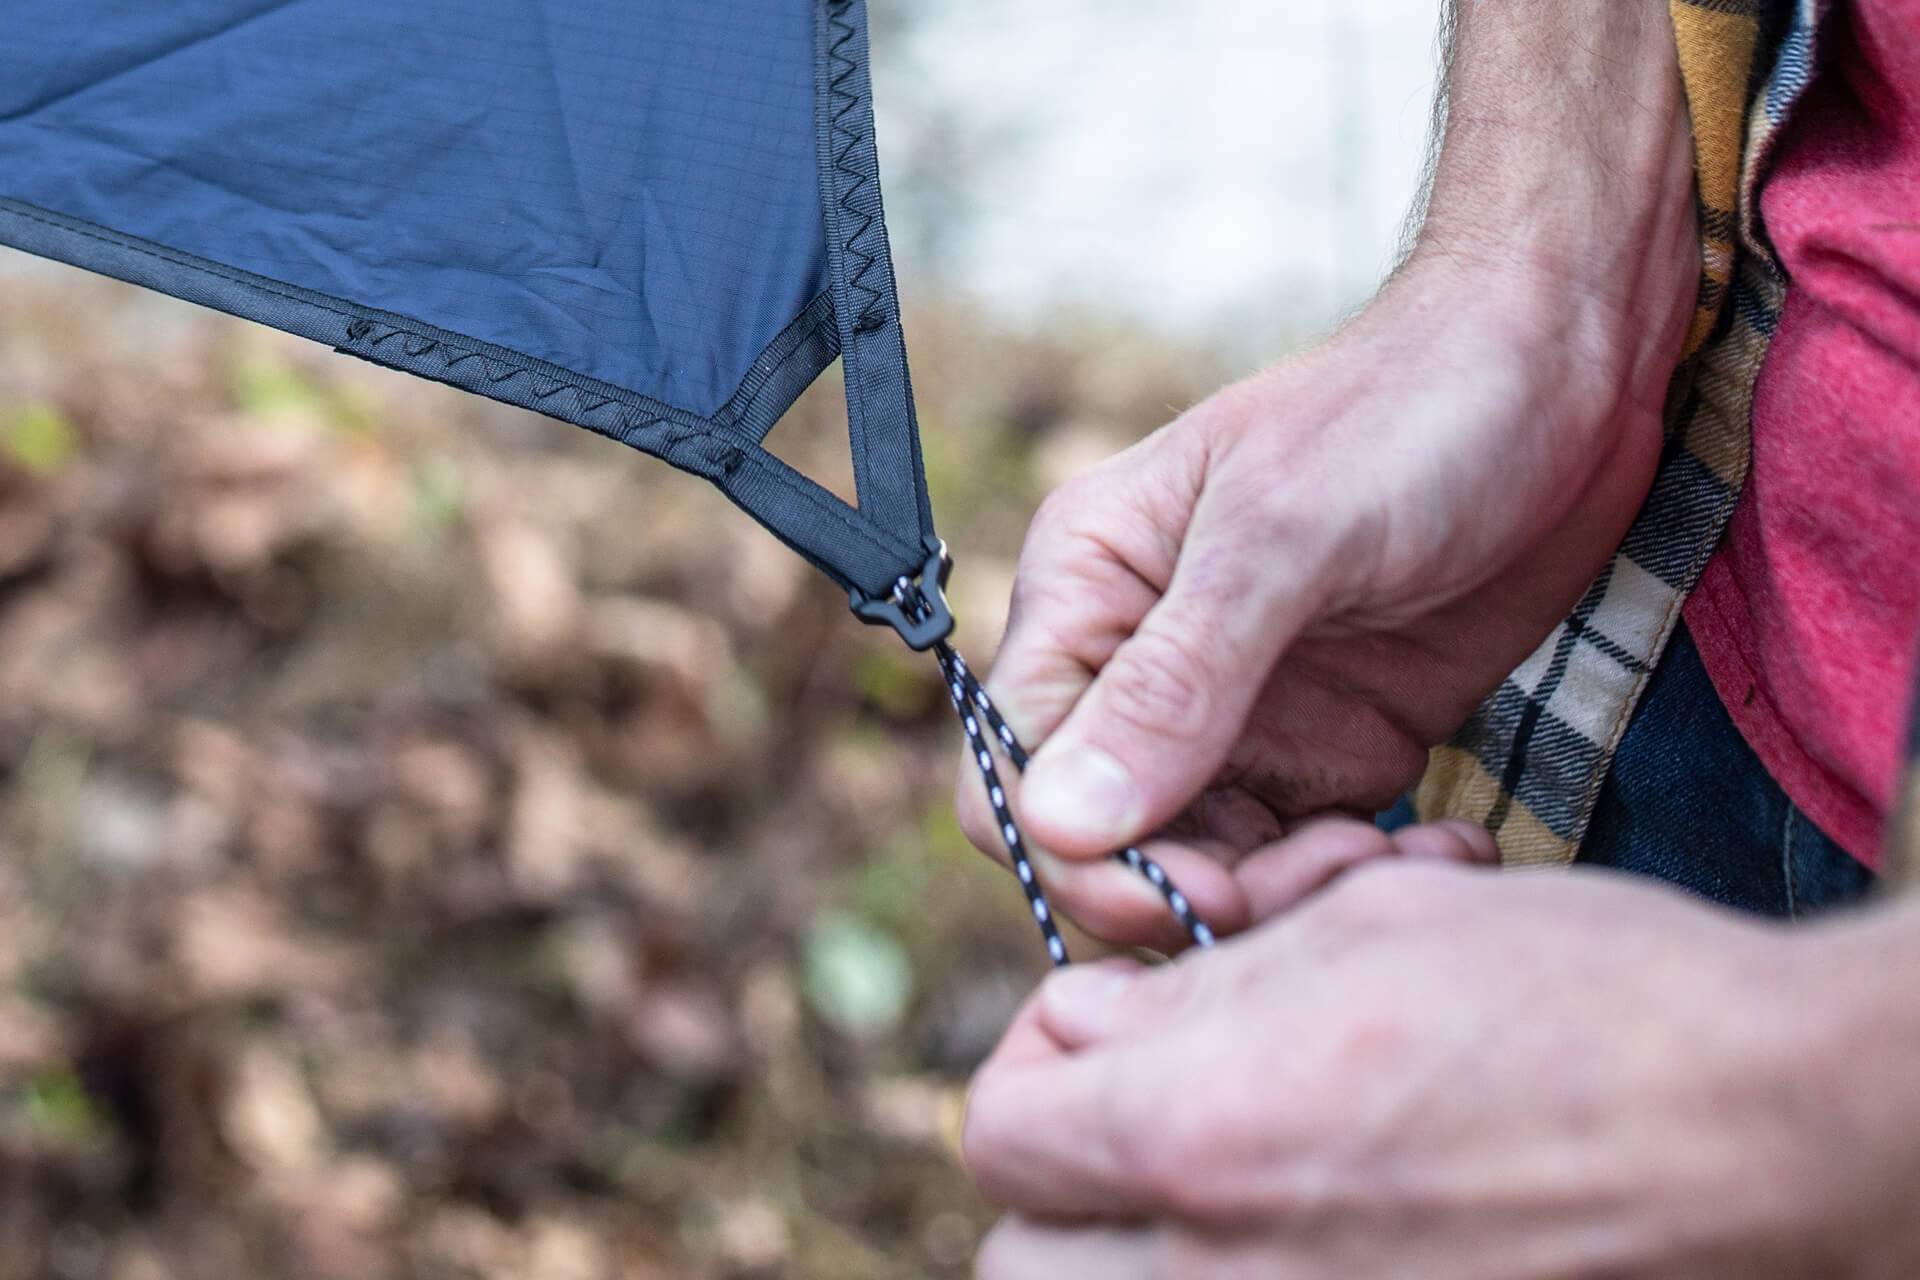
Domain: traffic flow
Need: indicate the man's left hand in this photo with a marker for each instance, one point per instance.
(1433, 1071)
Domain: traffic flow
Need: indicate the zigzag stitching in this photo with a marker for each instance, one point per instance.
(847, 142)
(362, 329)
(418, 346)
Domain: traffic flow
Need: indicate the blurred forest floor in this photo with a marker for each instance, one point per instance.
(436, 842)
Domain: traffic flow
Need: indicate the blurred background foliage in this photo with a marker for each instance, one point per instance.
(435, 842)
(439, 843)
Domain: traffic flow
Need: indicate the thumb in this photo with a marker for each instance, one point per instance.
(1163, 713)
(1088, 1005)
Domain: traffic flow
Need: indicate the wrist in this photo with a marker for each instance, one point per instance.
(1563, 187)
(1565, 368)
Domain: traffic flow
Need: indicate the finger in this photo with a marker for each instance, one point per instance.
(1027, 1039)
(1110, 900)
(1104, 897)
(1090, 1005)
(1133, 911)
(1120, 907)
(1163, 713)
(1156, 1126)
(1318, 852)
(1449, 840)
(1201, 870)
(1098, 555)
(1085, 1133)
(1066, 1137)
(1095, 560)
(1287, 872)
(1023, 1249)
(1102, 1005)
(1025, 1042)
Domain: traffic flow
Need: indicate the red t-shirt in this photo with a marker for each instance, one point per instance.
(1808, 617)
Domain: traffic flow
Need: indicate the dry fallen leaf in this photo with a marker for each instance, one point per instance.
(536, 605)
(234, 943)
(269, 1119)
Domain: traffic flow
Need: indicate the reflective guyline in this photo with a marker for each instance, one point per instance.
(918, 610)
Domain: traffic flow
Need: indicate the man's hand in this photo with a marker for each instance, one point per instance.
(1274, 606)
(1438, 1072)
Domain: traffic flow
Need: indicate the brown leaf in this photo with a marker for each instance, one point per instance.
(545, 850)
(536, 606)
(451, 781)
(659, 638)
(234, 943)
(685, 1031)
(269, 1119)
(561, 1249)
(454, 1082)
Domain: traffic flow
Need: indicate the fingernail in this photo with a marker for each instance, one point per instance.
(1081, 792)
(1082, 998)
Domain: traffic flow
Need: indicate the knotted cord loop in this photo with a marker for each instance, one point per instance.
(959, 689)
(910, 610)
(970, 697)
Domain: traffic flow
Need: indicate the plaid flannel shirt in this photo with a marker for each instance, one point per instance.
(1530, 762)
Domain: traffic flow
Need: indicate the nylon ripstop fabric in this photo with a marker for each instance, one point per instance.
(659, 220)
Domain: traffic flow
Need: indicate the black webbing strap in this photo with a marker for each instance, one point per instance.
(864, 557)
(888, 473)
(885, 552)
(867, 548)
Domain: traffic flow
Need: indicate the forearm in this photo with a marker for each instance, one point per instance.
(1564, 175)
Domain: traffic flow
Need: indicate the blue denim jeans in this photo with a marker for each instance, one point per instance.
(1689, 803)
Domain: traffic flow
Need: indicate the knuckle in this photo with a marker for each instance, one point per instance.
(1176, 1159)
(1056, 513)
(1157, 685)
(1375, 897)
(983, 1137)
(1205, 1170)
(1169, 987)
(1165, 1146)
(1135, 1137)
(1189, 1154)
(1281, 510)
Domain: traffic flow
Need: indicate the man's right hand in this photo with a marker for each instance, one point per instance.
(1271, 608)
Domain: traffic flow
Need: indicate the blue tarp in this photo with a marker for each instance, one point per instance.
(656, 218)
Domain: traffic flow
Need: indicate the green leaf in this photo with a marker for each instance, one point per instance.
(40, 439)
(267, 388)
(270, 389)
(439, 493)
(857, 978)
(892, 886)
(894, 682)
(58, 1105)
